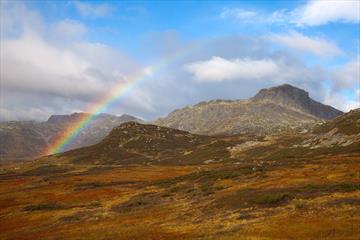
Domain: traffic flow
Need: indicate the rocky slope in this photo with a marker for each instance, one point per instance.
(25, 140)
(272, 110)
(343, 131)
(296, 99)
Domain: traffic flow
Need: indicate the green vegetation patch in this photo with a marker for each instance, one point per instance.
(345, 201)
(272, 198)
(52, 206)
(43, 207)
(329, 188)
(255, 197)
(138, 202)
(94, 185)
(210, 175)
(47, 170)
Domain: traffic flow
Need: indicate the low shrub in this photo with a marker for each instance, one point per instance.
(272, 198)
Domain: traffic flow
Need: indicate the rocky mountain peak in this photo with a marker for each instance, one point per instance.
(58, 118)
(61, 119)
(297, 99)
(285, 92)
(65, 118)
(128, 118)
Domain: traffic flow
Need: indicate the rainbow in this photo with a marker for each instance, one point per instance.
(120, 90)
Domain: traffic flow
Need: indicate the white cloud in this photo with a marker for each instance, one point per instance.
(220, 69)
(316, 13)
(105, 58)
(15, 18)
(347, 76)
(238, 13)
(68, 28)
(345, 86)
(275, 70)
(313, 13)
(49, 70)
(279, 16)
(30, 63)
(93, 10)
(340, 102)
(315, 45)
(81, 69)
(9, 114)
(53, 69)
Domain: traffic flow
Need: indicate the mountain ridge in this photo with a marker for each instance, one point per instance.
(280, 108)
(26, 139)
(297, 97)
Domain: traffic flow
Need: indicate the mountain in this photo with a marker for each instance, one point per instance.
(27, 139)
(271, 110)
(20, 140)
(298, 99)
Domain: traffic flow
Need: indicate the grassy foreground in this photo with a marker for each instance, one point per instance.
(315, 200)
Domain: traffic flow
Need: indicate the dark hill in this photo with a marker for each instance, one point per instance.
(135, 143)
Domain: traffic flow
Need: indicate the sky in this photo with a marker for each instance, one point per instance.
(60, 57)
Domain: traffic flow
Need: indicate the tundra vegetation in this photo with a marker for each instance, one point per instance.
(149, 182)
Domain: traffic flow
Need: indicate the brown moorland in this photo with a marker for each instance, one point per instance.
(149, 182)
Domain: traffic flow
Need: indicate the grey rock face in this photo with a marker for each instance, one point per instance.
(271, 110)
(297, 98)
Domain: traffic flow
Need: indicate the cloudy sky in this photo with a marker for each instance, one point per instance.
(58, 57)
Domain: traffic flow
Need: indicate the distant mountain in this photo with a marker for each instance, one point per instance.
(297, 99)
(26, 139)
(271, 110)
(95, 131)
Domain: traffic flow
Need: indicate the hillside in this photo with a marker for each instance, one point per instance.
(149, 182)
(25, 140)
(341, 132)
(271, 110)
(135, 143)
(348, 124)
